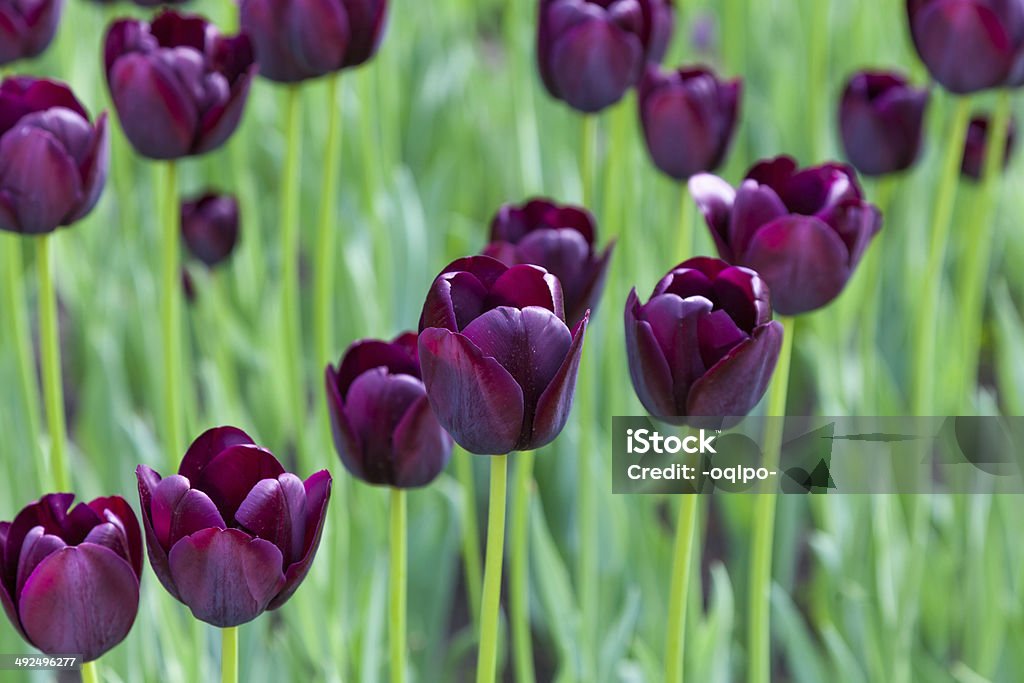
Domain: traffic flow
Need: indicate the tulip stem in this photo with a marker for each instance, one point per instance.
(398, 585)
(679, 590)
(170, 313)
(49, 342)
(324, 254)
(926, 326)
(229, 655)
(759, 667)
(519, 581)
(470, 530)
(685, 224)
(89, 672)
(487, 661)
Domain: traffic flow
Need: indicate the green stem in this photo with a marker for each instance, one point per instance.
(869, 300)
(759, 670)
(588, 159)
(90, 674)
(519, 580)
(685, 224)
(679, 591)
(170, 314)
(487, 661)
(229, 655)
(931, 284)
(324, 255)
(470, 529)
(53, 388)
(398, 585)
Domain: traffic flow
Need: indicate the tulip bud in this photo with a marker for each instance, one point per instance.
(53, 161)
(881, 118)
(209, 224)
(803, 231)
(590, 52)
(498, 361)
(689, 117)
(559, 239)
(384, 429)
(69, 577)
(705, 344)
(297, 40)
(969, 45)
(230, 512)
(976, 144)
(27, 27)
(178, 86)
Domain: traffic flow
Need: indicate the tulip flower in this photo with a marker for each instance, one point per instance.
(969, 45)
(296, 41)
(498, 360)
(209, 225)
(384, 429)
(688, 117)
(881, 120)
(179, 87)
(559, 239)
(27, 27)
(590, 52)
(53, 160)
(231, 511)
(69, 577)
(803, 231)
(704, 344)
(976, 143)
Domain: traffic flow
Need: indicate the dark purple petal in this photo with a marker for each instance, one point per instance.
(421, 447)
(742, 293)
(526, 285)
(555, 402)
(230, 476)
(398, 356)
(755, 205)
(346, 441)
(673, 321)
(593, 64)
(651, 375)
(209, 225)
(717, 334)
(220, 121)
(208, 446)
(37, 546)
(116, 510)
(296, 41)
(148, 481)
(856, 223)
(318, 494)
(734, 385)
(39, 180)
(881, 120)
(94, 169)
(275, 510)
(376, 403)
(715, 198)
(366, 20)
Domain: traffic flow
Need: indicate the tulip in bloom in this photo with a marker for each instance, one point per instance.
(881, 119)
(689, 117)
(27, 27)
(69, 576)
(803, 231)
(179, 87)
(970, 45)
(498, 360)
(232, 534)
(53, 161)
(300, 39)
(590, 52)
(559, 239)
(976, 143)
(209, 225)
(705, 344)
(384, 428)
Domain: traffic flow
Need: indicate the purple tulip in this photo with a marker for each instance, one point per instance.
(384, 428)
(689, 117)
(976, 143)
(803, 231)
(301, 39)
(705, 344)
(590, 52)
(232, 534)
(179, 87)
(559, 239)
(53, 161)
(881, 118)
(27, 27)
(970, 45)
(209, 224)
(69, 577)
(498, 361)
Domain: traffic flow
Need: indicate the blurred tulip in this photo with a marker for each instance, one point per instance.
(705, 344)
(178, 86)
(689, 118)
(590, 52)
(498, 361)
(881, 119)
(297, 40)
(970, 45)
(27, 27)
(209, 224)
(53, 161)
(803, 231)
(69, 577)
(384, 428)
(231, 512)
(559, 239)
(976, 143)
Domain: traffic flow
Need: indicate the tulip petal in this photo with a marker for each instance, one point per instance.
(734, 385)
(964, 44)
(555, 403)
(346, 440)
(219, 122)
(208, 446)
(594, 63)
(527, 285)
(275, 510)
(39, 177)
(718, 334)
(148, 481)
(742, 293)
(38, 545)
(376, 403)
(318, 494)
(673, 321)
(366, 19)
(681, 128)
(116, 510)
(856, 223)
(755, 205)
(648, 368)
(157, 114)
(422, 448)
(590, 295)
(229, 477)
(715, 198)
(399, 357)
(93, 168)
